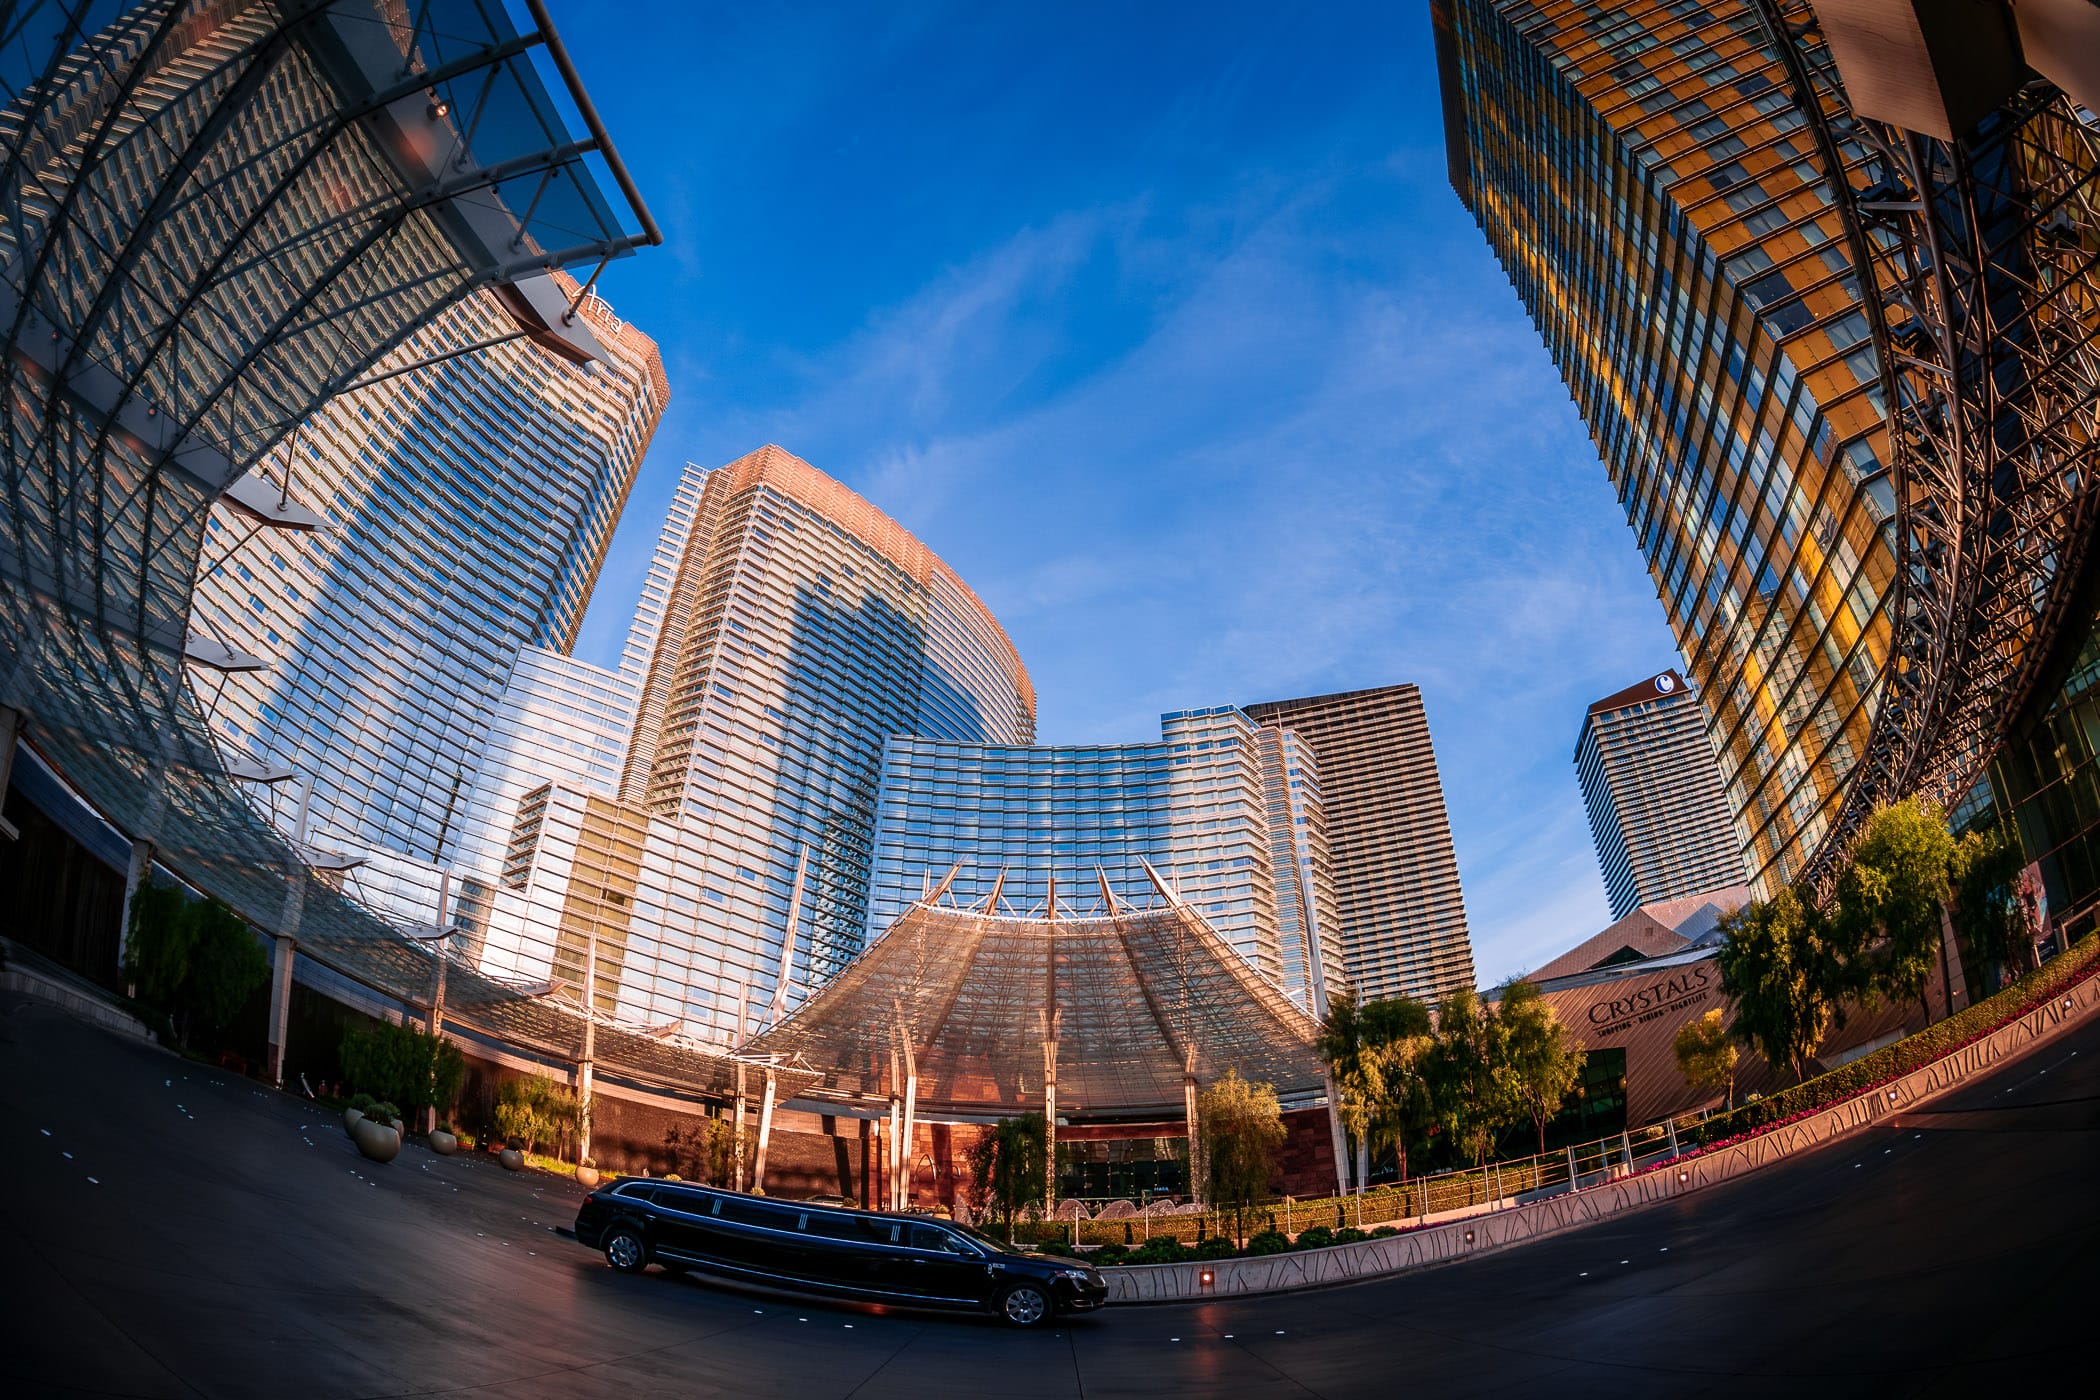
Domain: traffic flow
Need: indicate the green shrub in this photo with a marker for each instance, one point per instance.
(1216, 1247)
(403, 1064)
(1318, 1237)
(1108, 1254)
(1269, 1242)
(1060, 1248)
(1914, 1052)
(1161, 1249)
(382, 1112)
(363, 1103)
(196, 960)
(1349, 1234)
(1384, 1232)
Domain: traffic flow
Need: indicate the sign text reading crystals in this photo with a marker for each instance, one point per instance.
(1657, 999)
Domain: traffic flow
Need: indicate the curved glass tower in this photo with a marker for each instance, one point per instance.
(471, 503)
(1226, 810)
(787, 630)
(1642, 174)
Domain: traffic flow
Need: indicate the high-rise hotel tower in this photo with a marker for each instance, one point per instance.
(1643, 176)
(1656, 809)
(1397, 897)
(787, 629)
(470, 502)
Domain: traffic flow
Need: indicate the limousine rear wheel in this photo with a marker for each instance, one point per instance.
(625, 1250)
(1024, 1305)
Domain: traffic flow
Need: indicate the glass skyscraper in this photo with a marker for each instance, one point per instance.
(787, 630)
(1644, 177)
(1656, 809)
(470, 504)
(1227, 810)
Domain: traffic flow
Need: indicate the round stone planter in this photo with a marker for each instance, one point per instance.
(377, 1141)
(443, 1143)
(351, 1118)
(399, 1130)
(512, 1159)
(587, 1177)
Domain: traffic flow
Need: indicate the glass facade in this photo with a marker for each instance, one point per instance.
(787, 630)
(1226, 810)
(470, 504)
(1644, 179)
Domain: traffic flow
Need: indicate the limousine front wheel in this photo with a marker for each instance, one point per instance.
(625, 1250)
(1024, 1305)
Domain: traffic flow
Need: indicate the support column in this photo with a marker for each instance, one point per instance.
(1049, 1125)
(737, 1183)
(137, 871)
(590, 1047)
(910, 1126)
(281, 955)
(1199, 1184)
(867, 1165)
(1954, 986)
(281, 973)
(12, 723)
(890, 1191)
(1340, 1138)
(765, 1133)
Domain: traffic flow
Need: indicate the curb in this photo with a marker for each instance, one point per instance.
(1678, 1176)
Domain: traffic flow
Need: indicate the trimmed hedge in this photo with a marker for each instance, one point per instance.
(1891, 1062)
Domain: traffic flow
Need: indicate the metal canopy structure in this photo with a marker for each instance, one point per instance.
(214, 216)
(1979, 255)
(1118, 1008)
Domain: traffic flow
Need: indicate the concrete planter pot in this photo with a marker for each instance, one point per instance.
(378, 1141)
(587, 1177)
(351, 1118)
(443, 1143)
(512, 1159)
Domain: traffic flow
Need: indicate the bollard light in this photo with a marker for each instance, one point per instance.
(1892, 1096)
(1683, 1177)
(1469, 1237)
(1208, 1277)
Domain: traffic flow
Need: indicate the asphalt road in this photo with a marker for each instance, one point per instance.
(166, 1230)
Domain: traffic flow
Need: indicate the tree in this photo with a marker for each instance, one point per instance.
(1706, 1056)
(535, 1109)
(1781, 968)
(1989, 913)
(195, 959)
(1376, 1054)
(1403, 1034)
(1469, 1076)
(1890, 896)
(1011, 1163)
(403, 1065)
(1242, 1128)
(1541, 1065)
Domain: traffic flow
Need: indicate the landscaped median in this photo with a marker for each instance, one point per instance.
(1831, 1106)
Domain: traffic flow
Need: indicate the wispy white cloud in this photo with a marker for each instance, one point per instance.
(1322, 449)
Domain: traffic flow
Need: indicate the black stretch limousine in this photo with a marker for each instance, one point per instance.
(902, 1259)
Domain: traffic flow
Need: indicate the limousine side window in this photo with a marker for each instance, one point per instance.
(934, 1237)
(743, 1210)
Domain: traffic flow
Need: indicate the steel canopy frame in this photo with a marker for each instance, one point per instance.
(1132, 996)
(213, 215)
(1977, 263)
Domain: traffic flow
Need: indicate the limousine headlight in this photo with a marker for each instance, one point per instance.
(1080, 1275)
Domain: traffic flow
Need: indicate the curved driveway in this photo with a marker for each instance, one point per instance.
(207, 1238)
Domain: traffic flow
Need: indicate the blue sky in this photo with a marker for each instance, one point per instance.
(1163, 326)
